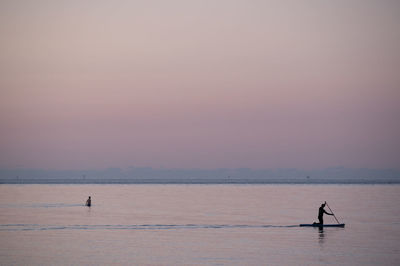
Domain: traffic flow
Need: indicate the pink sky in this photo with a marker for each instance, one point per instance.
(204, 84)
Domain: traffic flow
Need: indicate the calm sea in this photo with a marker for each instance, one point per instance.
(198, 225)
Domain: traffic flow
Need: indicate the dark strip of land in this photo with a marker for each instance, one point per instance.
(200, 181)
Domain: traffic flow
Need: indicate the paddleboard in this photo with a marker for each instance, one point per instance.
(323, 225)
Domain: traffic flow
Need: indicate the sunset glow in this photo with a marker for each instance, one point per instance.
(199, 84)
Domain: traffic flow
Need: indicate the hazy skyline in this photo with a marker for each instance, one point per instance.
(199, 84)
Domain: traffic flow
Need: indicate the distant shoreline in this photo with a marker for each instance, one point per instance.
(199, 181)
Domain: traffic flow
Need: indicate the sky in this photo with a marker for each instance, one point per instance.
(199, 84)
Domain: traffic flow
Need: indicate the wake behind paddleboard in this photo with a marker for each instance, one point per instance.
(323, 225)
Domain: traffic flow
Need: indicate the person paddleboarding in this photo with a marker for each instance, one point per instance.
(321, 212)
(321, 224)
(89, 202)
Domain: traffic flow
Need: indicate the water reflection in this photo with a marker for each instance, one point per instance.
(321, 235)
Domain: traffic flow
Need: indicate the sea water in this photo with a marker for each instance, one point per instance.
(198, 225)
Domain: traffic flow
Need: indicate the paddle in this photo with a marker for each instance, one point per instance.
(332, 212)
